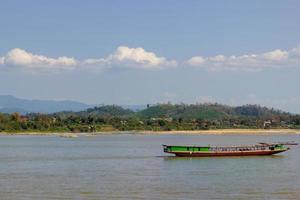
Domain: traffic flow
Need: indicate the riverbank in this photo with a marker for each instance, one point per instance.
(228, 131)
(192, 132)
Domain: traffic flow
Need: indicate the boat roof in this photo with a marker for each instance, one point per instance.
(237, 146)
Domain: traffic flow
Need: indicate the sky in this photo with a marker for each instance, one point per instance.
(139, 52)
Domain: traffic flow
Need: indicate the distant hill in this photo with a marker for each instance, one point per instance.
(9, 104)
(182, 111)
(135, 108)
(100, 111)
(13, 110)
(160, 117)
(208, 111)
(257, 111)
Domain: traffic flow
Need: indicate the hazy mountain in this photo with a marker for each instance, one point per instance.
(9, 104)
(13, 110)
(134, 107)
(209, 111)
(183, 111)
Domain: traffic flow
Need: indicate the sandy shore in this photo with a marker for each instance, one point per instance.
(227, 131)
(200, 132)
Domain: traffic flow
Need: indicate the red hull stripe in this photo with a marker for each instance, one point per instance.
(237, 153)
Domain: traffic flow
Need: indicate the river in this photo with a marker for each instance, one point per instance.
(131, 166)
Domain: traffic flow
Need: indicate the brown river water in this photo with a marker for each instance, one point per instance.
(132, 167)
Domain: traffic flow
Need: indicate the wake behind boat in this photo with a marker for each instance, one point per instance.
(208, 151)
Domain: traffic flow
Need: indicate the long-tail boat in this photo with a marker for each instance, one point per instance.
(207, 151)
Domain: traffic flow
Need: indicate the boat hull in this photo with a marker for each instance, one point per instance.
(233, 153)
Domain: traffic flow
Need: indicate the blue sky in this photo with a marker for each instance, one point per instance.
(138, 52)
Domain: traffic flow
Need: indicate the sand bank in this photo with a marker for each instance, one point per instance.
(227, 131)
(182, 132)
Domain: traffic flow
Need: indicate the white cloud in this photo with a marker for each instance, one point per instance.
(218, 58)
(137, 58)
(1, 60)
(197, 60)
(276, 55)
(21, 58)
(123, 57)
(295, 53)
(253, 62)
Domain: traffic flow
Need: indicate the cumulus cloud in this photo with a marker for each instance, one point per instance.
(252, 62)
(136, 58)
(21, 58)
(123, 57)
(196, 60)
(276, 55)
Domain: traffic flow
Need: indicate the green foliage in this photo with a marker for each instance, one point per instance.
(160, 117)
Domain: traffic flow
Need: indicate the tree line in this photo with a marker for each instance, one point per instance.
(160, 117)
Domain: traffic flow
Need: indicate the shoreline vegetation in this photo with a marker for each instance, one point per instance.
(155, 119)
(181, 132)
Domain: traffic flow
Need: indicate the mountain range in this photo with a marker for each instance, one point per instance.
(11, 104)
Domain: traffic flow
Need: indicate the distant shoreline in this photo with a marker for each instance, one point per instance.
(228, 131)
(178, 132)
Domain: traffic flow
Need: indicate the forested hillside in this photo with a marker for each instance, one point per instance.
(155, 117)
